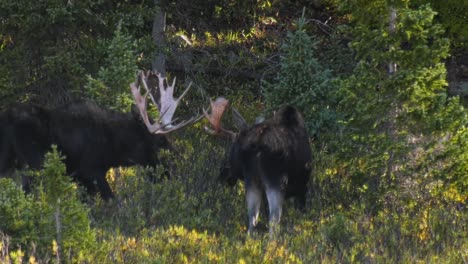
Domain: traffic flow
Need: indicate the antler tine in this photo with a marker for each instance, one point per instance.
(141, 101)
(161, 85)
(144, 77)
(166, 103)
(186, 90)
(180, 125)
(171, 87)
(217, 109)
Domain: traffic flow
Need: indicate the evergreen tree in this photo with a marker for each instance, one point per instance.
(304, 83)
(61, 215)
(110, 87)
(393, 113)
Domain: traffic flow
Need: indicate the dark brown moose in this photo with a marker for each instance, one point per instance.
(272, 157)
(92, 139)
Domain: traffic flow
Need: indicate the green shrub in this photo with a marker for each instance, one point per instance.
(51, 220)
(304, 83)
(192, 196)
(16, 213)
(110, 86)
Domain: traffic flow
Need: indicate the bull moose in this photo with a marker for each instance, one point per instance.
(92, 139)
(272, 157)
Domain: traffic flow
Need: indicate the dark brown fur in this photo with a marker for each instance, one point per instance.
(272, 156)
(92, 140)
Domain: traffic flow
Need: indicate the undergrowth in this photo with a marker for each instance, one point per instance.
(191, 217)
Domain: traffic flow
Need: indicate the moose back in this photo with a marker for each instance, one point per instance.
(92, 140)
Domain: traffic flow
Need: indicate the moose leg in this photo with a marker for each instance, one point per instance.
(106, 191)
(254, 200)
(6, 152)
(95, 181)
(28, 153)
(103, 185)
(275, 203)
(300, 201)
(86, 180)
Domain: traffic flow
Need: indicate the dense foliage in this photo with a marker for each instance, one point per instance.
(409, 105)
(390, 171)
(304, 83)
(50, 46)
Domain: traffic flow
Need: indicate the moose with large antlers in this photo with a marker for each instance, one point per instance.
(92, 139)
(272, 157)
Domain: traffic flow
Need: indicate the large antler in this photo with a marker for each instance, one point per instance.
(166, 104)
(217, 109)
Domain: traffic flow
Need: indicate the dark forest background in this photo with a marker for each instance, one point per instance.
(383, 87)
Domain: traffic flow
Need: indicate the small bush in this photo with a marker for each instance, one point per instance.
(51, 220)
(16, 213)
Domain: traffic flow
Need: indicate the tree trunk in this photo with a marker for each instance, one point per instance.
(159, 38)
(392, 67)
(394, 112)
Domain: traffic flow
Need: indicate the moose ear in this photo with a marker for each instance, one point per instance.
(240, 122)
